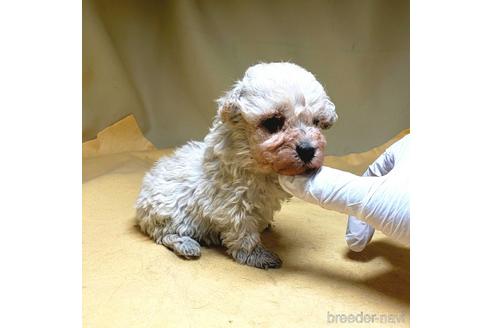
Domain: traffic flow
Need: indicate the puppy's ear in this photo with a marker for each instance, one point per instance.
(330, 116)
(229, 105)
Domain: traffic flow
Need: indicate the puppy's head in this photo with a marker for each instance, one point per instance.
(281, 107)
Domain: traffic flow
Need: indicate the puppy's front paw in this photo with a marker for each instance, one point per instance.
(259, 257)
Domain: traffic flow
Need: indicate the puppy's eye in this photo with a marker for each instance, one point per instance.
(321, 123)
(273, 124)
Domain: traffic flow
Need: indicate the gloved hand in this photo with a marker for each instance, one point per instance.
(380, 198)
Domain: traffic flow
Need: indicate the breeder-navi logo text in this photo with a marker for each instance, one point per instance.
(361, 317)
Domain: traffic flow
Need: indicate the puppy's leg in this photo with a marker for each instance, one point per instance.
(246, 248)
(181, 245)
(259, 257)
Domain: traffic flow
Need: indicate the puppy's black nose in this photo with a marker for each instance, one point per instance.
(305, 151)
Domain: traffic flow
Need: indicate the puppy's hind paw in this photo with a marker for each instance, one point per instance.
(189, 249)
(182, 245)
(260, 258)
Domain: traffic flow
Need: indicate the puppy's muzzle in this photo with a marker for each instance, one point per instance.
(305, 151)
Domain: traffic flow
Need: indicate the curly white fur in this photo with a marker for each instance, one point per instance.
(225, 189)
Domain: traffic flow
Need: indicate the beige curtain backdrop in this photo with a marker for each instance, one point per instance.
(166, 62)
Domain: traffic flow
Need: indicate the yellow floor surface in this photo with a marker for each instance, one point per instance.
(129, 281)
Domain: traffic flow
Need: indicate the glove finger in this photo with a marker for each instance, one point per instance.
(358, 234)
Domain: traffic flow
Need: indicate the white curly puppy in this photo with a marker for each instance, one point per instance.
(225, 189)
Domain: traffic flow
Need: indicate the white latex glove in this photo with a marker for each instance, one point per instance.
(380, 198)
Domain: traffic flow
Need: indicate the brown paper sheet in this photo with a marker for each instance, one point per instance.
(123, 136)
(128, 281)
